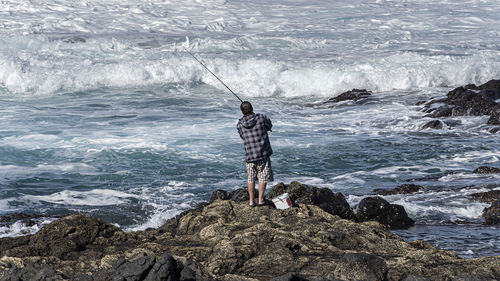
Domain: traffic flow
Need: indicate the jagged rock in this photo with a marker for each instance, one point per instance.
(434, 124)
(361, 266)
(333, 203)
(232, 241)
(494, 130)
(472, 277)
(27, 219)
(402, 189)
(492, 214)
(377, 209)
(486, 170)
(31, 272)
(292, 276)
(354, 94)
(413, 277)
(467, 100)
(218, 195)
(494, 117)
(487, 197)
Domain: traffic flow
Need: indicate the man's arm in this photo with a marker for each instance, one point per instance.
(239, 130)
(268, 123)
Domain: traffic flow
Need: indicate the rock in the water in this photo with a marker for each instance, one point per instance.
(486, 170)
(377, 209)
(402, 189)
(494, 117)
(487, 197)
(492, 214)
(219, 195)
(468, 100)
(31, 272)
(361, 266)
(434, 124)
(354, 94)
(333, 203)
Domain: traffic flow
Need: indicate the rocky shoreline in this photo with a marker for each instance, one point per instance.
(317, 239)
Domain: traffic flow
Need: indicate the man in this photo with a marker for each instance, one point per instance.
(253, 131)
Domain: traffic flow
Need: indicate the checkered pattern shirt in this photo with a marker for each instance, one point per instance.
(253, 131)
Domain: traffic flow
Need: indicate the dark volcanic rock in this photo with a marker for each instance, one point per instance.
(378, 209)
(487, 197)
(434, 124)
(31, 272)
(26, 219)
(494, 117)
(402, 189)
(232, 241)
(468, 100)
(486, 170)
(292, 276)
(492, 214)
(64, 239)
(333, 203)
(361, 266)
(219, 195)
(354, 94)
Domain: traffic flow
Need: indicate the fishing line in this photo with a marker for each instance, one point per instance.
(187, 41)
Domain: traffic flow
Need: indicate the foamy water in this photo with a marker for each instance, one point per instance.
(103, 112)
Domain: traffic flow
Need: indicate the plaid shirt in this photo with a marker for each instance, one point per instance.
(253, 131)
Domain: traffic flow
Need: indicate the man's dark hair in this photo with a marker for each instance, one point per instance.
(246, 108)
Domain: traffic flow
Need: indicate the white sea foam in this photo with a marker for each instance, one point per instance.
(20, 229)
(95, 197)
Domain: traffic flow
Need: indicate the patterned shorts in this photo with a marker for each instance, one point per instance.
(260, 170)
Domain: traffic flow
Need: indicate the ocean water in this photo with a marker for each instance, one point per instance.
(103, 112)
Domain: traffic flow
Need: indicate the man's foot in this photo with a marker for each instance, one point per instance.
(252, 204)
(262, 204)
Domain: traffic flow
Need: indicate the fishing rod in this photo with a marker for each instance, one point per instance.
(187, 40)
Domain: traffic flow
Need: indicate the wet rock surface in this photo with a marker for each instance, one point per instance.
(487, 197)
(402, 189)
(434, 124)
(228, 240)
(487, 170)
(467, 100)
(354, 95)
(377, 209)
(325, 198)
(492, 214)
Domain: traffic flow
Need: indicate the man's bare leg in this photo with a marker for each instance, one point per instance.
(262, 188)
(251, 192)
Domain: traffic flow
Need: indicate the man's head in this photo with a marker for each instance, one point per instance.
(246, 108)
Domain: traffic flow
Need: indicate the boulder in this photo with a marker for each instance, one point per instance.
(64, 239)
(487, 170)
(354, 95)
(377, 209)
(219, 195)
(361, 266)
(434, 124)
(487, 197)
(494, 117)
(402, 189)
(333, 203)
(31, 272)
(467, 100)
(492, 214)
